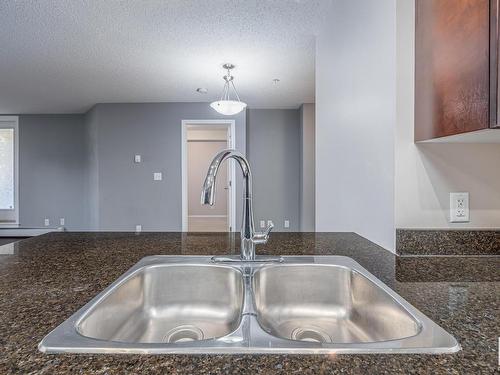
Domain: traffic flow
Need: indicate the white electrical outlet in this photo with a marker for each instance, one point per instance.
(262, 224)
(46, 221)
(62, 221)
(459, 207)
(138, 228)
(157, 176)
(269, 223)
(137, 158)
(287, 224)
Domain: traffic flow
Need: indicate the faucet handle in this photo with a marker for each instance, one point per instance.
(269, 229)
(262, 237)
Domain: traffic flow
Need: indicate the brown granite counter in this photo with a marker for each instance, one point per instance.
(48, 278)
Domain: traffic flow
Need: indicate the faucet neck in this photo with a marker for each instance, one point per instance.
(248, 235)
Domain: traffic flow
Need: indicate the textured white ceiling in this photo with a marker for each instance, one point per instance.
(66, 55)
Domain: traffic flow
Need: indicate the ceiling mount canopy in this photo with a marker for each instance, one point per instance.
(227, 104)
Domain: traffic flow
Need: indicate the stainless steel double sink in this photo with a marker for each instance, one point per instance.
(189, 304)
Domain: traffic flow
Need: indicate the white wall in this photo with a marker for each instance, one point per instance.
(355, 120)
(427, 173)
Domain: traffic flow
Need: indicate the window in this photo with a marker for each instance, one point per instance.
(8, 170)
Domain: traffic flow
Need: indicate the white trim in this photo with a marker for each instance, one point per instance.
(219, 216)
(13, 122)
(476, 136)
(10, 118)
(27, 232)
(7, 249)
(231, 125)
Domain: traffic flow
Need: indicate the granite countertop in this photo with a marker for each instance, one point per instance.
(46, 279)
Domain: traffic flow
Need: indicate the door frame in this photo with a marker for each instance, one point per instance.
(12, 122)
(231, 126)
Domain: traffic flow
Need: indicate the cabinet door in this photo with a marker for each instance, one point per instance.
(452, 67)
(494, 51)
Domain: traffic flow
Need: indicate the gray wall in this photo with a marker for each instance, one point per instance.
(307, 167)
(273, 149)
(91, 208)
(51, 170)
(127, 194)
(81, 167)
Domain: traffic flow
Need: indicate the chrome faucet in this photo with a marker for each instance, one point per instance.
(249, 238)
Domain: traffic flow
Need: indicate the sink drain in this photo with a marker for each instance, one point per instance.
(310, 334)
(183, 333)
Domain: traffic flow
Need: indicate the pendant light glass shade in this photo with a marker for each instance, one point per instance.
(226, 105)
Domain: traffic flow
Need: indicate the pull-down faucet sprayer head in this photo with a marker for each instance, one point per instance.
(208, 191)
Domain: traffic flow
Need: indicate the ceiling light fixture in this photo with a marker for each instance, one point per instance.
(225, 105)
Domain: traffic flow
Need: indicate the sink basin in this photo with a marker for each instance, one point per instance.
(328, 304)
(168, 303)
(192, 305)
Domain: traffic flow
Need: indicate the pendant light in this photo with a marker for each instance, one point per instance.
(226, 105)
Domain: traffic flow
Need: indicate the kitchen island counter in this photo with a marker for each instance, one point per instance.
(46, 279)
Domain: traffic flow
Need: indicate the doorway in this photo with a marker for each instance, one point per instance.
(201, 141)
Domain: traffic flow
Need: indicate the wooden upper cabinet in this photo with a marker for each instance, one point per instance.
(494, 63)
(455, 67)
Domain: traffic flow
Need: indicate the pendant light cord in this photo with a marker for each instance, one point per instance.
(229, 79)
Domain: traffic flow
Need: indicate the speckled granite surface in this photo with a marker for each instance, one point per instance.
(447, 242)
(50, 277)
(439, 268)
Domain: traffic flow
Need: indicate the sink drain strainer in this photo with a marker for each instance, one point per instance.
(183, 333)
(310, 334)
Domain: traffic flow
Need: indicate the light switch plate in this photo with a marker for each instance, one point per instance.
(459, 207)
(157, 176)
(46, 221)
(262, 224)
(137, 158)
(287, 224)
(62, 221)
